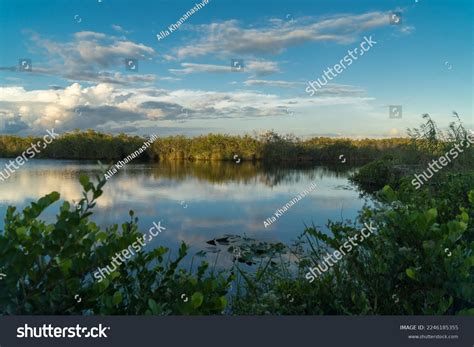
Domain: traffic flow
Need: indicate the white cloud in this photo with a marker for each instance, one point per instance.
(261, 67)
(88, 56)
(104, 106)
(270, 83)
(189, 68)
(256, 67)
(229, 38)
(328, 90)
(119, 29)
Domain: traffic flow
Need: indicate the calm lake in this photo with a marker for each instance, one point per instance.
(195, 201)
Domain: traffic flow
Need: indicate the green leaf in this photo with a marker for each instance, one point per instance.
(21, 232)
(471, 196)
(197, 299)
(117, 299)
(411, 273)
(104, 284)
(101, 236)
(445, 304)
(464, 217)
(222, 302)
(389, 194)
(47, 200)
(153, 306)
(431, 214)
(84, 180)
(462, 226)
(65, 265)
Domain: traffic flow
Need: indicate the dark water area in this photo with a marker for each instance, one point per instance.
(195, 201)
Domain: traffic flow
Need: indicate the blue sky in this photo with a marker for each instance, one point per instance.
(184, 83)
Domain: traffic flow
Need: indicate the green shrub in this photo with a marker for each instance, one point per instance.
(47, 265)
(415, 264)
(375, 175)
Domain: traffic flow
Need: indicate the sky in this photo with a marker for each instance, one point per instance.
(234, 67)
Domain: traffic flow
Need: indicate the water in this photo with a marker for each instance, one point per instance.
(196, 202)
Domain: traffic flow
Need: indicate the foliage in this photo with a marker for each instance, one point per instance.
(420, 261)
(268, 146)
(427, 143)
(49, 264)
(375, 175)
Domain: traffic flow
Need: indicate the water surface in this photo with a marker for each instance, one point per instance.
(196, 202)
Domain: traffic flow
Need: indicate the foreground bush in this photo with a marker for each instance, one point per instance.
(375, 175)
(420, 261)
(47, 265)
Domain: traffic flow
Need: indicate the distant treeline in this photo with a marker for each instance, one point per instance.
(92, 145)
